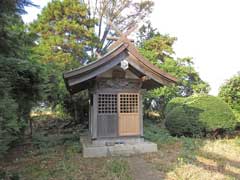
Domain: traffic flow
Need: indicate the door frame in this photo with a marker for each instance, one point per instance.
(136, 114)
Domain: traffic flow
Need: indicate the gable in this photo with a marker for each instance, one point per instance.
(138, 67)
(117, 72)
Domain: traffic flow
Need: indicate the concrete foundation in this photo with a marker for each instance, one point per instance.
(116, 147)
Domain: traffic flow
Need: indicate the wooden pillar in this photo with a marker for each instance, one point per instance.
(89, 114)
(141, 111)
(94, 116)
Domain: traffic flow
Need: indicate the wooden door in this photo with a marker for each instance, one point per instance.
(128, 114)
(107, 118)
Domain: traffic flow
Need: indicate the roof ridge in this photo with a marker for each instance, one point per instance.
(68, 73)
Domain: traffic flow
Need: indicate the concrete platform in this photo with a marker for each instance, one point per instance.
(116, 147)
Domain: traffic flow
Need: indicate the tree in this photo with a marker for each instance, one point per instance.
(10, 23)
(20, 77)
(158, 49)
(146, 32)
(15, 6)
(123, 13)
(65, 34)
(230, 92)
(65, 39)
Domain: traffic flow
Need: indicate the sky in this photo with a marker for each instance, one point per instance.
(207, 30)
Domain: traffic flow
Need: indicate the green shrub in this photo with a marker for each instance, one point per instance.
(198, 115)
(46, 143)
(11, 176)
(174, 103)
(237, 115)
(229, 92)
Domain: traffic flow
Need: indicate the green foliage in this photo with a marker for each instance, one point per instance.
(65, 40)
(46, 143)
(230, 93)
(19, 91)
(162, 137)
(159, 51)
(9, 125)
(13, 37)
(198, 115)
(154, 133)
(15, 6)
(160, 96)
(19, 75)
(65, 34)
(189, 149)
(146, 32)
(158, 48)
(174, 103)
(6, 175)
(237, 115)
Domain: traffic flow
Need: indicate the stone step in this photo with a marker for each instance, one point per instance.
(90, 150)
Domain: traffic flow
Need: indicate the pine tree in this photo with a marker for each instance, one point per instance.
(19, 76)
(65, 40)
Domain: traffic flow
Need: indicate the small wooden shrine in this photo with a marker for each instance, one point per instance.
(116, 82)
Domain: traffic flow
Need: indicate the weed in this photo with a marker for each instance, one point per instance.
(154, 133)
(46, 143)
(118, 169)
(8, 175)
(189, 148)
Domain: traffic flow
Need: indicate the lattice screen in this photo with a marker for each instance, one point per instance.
(107, 103)
(129, 103)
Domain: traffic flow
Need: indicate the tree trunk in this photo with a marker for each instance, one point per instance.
(30, 127)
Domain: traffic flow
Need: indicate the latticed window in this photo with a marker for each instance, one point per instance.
(107, 103)
(129, 103)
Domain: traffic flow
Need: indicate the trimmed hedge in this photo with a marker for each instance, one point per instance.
(197, 115)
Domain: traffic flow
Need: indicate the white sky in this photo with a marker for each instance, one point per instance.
(207, 30)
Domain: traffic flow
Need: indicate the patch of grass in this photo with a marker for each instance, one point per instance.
(118, 169)
(194, 172)
(189, 149)
(45, 143)
(155, 133)
(193, 158)
(7, 175)
(62, 163)
(237, 141)
(218, 159)
(58, 157)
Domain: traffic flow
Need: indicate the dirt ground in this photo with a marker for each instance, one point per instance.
(55, 154)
